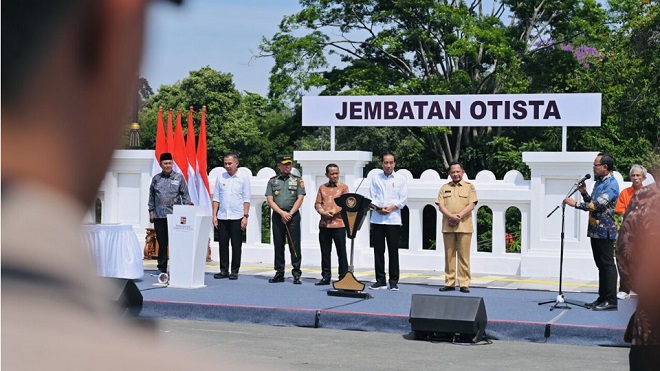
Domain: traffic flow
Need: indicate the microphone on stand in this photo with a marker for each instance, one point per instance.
(587, 176)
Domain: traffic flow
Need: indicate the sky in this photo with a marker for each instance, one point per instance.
(223, 34)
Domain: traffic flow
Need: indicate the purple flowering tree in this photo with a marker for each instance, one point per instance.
(583, 53)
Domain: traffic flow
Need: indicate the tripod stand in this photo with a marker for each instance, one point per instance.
(559, 301)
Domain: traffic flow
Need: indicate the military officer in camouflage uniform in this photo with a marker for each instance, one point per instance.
(285, 194)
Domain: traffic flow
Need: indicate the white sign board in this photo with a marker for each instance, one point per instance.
(528, 110)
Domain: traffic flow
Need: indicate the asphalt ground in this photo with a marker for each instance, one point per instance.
(252, 346)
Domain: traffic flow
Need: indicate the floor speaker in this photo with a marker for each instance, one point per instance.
(125, 295)
(448, 317)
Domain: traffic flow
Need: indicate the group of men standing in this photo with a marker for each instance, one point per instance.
(388, 192)
(285, 193)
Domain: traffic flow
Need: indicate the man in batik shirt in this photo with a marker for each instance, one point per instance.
(331, 226)
(602, 228)
(168, 188)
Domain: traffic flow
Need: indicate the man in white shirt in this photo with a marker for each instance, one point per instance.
(389, 193)
(231, 206)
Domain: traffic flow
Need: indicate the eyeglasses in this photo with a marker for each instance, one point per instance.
(598, 165)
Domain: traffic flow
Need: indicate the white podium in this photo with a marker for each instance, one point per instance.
(189, 230)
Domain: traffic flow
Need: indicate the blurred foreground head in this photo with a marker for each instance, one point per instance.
(69, 77)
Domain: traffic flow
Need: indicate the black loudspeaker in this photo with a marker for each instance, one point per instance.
(125, 295)
(448, 317)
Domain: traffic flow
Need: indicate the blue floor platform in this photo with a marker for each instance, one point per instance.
(513, 314)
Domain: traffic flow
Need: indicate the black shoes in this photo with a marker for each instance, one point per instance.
(594, 303)
(221, 275)
(277, 278)
(606, 305)
(378, 286)
(601, 305)
(394, 287)
(464, 290)
(323, 282)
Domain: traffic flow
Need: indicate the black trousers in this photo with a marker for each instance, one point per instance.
(603, 251)
(326, 236)
(230, 230)
(623, 281)
(644, 357)
(160, 225)
(391, 233)
(623, 277)
(287, 232)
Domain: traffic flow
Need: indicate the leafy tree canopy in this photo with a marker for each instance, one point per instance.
(423, 47)
(235, 123)
(378, 47)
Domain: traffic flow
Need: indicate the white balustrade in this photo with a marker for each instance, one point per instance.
(552, 175)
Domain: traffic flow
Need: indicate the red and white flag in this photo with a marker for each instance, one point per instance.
(179, 149)
(170, 133)
(191, 156)
(202, 178)
(161, 145)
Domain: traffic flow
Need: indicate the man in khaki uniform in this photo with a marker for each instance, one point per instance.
(456, 200)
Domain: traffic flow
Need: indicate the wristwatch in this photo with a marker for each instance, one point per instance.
(246, 215)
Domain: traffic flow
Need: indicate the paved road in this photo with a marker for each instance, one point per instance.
(294, 348)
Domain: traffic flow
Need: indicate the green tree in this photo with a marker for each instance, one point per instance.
(627, 72)
(421, 47)
(235, 123)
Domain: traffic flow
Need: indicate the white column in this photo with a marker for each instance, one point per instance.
(553, 175)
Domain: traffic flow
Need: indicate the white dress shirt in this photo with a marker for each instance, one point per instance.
(388, 190)
(231, 192)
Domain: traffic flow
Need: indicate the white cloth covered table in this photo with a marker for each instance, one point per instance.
(115, 250)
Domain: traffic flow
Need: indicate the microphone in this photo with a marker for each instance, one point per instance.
(586, 176)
